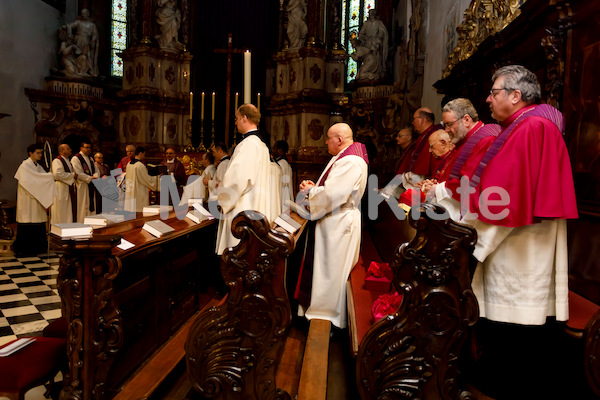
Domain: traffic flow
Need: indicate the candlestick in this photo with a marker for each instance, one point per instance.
(236, 101)
(258, 102)
(247, 76)
(202, 107)
(213, 106)
(191, 104)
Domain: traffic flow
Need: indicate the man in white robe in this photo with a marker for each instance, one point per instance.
(246, 184)
(138, 182)
(280, 149)
(35, 194)
(208, 162)
(85, 167)
(65, 198)
(221, 155)
(334, 203)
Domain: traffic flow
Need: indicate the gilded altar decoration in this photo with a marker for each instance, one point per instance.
(483, 18)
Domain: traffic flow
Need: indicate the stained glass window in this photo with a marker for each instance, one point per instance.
(354, 13)
(118, 35)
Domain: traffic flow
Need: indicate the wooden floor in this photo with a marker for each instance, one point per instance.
(340, 386)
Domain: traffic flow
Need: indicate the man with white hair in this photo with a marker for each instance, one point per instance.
(333, 202)
(64, 208)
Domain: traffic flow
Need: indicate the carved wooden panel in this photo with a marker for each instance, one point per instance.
(414, 352)
(85, 283)
(233, 350)
(592, 353)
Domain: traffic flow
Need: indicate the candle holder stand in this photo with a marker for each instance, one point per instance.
(212, 136)
(201, 147)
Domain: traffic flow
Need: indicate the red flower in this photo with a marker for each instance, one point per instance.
(386, 304)
(379, 270)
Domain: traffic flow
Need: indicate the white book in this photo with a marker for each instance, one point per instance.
(196, 216)
(125, 245)
(191, 202)
(156, 209)
(157, 228)
(72, 229)
(287, 223)
(15, 346)
(199, 207)
(103, 219)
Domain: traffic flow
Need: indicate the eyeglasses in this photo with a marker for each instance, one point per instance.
(492, 90)
(449, 124)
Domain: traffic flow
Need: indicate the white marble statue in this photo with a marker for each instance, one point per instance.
(369, 65)
(296, 26)
(79, 50)
(373, 34)
(168, 18)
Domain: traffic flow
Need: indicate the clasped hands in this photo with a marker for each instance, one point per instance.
(305, 186)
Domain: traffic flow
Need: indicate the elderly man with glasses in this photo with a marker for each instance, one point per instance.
(175, 168)
(521, 279)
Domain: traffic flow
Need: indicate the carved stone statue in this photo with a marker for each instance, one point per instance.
(79, 49)
(296, 26)
(374, 35)
(369, 66)
(168, 18)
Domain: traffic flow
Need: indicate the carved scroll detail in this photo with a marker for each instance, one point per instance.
(233, 349)
(413, 353)
(90, 262)
(483, 18)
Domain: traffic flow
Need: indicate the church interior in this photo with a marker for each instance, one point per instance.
(171, 319)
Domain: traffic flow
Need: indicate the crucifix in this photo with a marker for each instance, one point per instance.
(229, 51)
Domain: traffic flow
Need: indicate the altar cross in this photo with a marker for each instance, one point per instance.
(229, 51)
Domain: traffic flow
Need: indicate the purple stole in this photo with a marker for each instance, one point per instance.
(89, 170)
(467, 148)
(355, 149)
(541, 110)
(72, 190)
(304, 283)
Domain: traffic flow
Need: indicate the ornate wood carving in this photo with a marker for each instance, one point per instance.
(233, 350)
(413, 353)
(315, 73)
(592, 353)
(315, 129)
(85, 283)
(483, 18)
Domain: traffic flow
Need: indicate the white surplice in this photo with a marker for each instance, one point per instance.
(337, 236)
(35, 192)
(287, 182)
(83, 182)
(61, 211)
(522, 274)
(218, 177)
(137, 185)
(245, 186)
(195, 188)
(275, 185)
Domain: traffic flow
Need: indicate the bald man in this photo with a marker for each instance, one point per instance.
(333, 201)
(64, 208)
(175, 168)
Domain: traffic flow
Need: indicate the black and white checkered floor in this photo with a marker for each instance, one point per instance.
(29, 297)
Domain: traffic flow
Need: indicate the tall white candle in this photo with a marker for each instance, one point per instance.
(191, 103)
(202, 107)
(247, 77)
(258, 102)
(213, 106)
(236, 102)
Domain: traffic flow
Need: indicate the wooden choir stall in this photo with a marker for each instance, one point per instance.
(122, 305)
